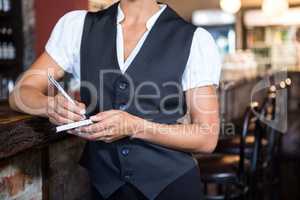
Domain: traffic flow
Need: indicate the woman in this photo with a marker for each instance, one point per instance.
(142, 69)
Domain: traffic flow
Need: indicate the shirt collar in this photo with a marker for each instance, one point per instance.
(150, 23)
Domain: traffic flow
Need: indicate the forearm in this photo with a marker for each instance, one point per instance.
(29, 100)
(193, 138)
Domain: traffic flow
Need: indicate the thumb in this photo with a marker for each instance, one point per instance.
(82, 107)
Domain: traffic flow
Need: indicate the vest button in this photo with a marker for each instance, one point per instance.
(127, 176)
(125, 152)
(123, 85)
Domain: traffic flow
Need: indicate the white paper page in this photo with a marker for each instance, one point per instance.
(73, 125)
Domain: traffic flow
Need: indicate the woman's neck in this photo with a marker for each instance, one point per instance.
(138, 11)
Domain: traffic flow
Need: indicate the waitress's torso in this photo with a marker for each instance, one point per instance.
(150, 84)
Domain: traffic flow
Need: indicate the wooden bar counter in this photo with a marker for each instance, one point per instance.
(20, 132)
(36, 163)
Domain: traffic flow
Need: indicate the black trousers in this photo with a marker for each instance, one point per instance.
(187, 187)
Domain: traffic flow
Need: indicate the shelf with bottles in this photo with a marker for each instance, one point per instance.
(6, 7)
(11, 44)
(8, 50)
(273, 45)
(273, 35)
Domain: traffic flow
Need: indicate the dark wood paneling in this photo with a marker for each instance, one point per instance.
(20, 132)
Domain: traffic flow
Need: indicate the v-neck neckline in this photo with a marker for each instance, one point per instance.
(121, 52)
(143, 46)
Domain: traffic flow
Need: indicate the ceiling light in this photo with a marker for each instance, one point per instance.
(231, 6)
(275, 8)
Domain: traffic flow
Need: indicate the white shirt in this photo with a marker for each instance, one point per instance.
(202, 69)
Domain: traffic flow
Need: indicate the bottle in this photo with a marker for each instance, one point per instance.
(6, 5)
(10, 85)
(1, 87)
(9, 32)
(5, 51)
(11, 51)
(3, 33)
(1, 6)
(1, 51)
(4, 89)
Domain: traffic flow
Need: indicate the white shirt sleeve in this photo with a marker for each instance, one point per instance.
(64, 43)
(204, 63)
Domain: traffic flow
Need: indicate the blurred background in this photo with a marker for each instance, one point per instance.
(258, 156)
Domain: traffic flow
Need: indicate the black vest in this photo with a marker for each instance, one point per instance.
(150, 88)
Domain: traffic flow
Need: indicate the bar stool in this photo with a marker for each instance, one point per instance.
(231, 145)
(228, 172)
(268, 167)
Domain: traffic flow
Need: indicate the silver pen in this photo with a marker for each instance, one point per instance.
(72, 125)
(60, 89)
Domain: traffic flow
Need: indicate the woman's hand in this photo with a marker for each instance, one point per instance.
(60, 111)
(110, 126)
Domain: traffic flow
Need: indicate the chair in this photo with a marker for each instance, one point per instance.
(241, 160)
(231, 145)
(268, 166)
(228, 172)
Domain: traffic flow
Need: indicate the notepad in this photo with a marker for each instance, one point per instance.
(73, 125)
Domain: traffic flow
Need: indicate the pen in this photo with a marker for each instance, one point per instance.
(72, 125)
(60, 89)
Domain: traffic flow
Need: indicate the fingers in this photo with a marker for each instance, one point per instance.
(77, 108)
(79, 134)
(94, 128)
(99, 136)
(58, 120)
(72, 132)
(61, 111)
(107, 136)
(103, 115)
(82, 107)
(107, 123)
(107, 127)
(113, 139)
